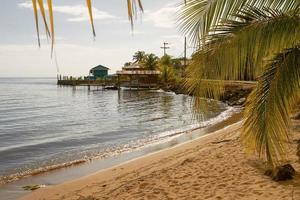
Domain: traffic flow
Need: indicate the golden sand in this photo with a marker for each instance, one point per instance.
(211, 167)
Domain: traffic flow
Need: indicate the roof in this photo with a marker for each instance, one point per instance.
(99, 67)
(139, 72)
(133, 66)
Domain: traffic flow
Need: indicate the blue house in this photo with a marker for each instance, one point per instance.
(99, 71)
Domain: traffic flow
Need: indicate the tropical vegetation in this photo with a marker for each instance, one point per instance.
(167, 69)
(256, 38)
(150, 61)
(139, 56)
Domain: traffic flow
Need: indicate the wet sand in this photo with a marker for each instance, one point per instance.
(211, 167)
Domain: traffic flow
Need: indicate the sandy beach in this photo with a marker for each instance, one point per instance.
(212, 167)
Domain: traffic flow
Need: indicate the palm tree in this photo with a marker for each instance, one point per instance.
(254, 37)
(139, 56)
(150, 61)
(166, 67)
(127, 64)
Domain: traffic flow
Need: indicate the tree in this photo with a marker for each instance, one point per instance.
(166, 68)
(254, 37)
(127, 64)
(150, 61)
(139, 56)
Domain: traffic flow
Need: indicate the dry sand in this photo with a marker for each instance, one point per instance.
(211, 167)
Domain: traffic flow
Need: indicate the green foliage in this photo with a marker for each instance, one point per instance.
(167, 69)
(269, 106)
(198, 18)
(127, 64)
(241, 39)
(150, 61)
(172, 71)
(139, 56)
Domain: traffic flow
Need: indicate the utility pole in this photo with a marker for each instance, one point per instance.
(182, 68)
(165, 47)
(184, 52)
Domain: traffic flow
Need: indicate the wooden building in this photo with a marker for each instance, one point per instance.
(99, 71)
(136, 76)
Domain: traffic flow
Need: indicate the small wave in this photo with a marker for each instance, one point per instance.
(17, 176)
(166, 92)
(219, 118)
(125, 148)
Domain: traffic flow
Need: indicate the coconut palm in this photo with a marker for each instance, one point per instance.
(255, 37)
(150, 61)
(139, 56)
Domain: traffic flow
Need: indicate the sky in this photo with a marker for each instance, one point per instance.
(76, 50)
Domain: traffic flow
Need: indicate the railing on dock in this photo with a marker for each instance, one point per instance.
(105, 83)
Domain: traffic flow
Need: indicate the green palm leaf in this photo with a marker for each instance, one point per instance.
(269, 107)
(247, 44)
(240, 46)
(198, 17)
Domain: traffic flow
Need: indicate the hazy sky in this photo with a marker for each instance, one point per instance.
(75, 47)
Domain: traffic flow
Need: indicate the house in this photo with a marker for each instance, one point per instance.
(136, 76)
(99, 72)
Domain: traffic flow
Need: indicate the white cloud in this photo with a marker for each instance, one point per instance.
(164, 17)
(172, 36)
(77, 13)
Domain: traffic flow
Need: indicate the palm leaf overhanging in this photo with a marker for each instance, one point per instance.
(269, 106)
(199, 17)
(133, 7)
(242, 39)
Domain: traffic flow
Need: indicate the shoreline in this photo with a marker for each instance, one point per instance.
(129, 162)
(58, 176)
(210, 167)
(218, 120)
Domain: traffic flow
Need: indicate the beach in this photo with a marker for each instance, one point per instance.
(214, 166)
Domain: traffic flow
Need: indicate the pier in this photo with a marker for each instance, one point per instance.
(111, 83)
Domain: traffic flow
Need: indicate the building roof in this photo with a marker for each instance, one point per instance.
(99, 67)
(139, 72)
(132, 66)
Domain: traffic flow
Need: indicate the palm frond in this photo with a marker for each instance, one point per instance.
(89, 5)
(51, 25)
(35, 10)
(200, 85)
(269, 106)
(198, 17)
(43, 13)
(132, 10)
(241, 45)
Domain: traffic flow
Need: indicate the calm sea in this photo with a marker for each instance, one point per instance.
(42, 124)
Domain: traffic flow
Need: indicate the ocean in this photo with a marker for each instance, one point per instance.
(43, 124)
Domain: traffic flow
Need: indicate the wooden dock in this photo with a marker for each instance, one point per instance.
(118, 82)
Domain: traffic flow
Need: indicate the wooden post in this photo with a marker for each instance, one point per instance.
(118, 82)
(130, 82)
